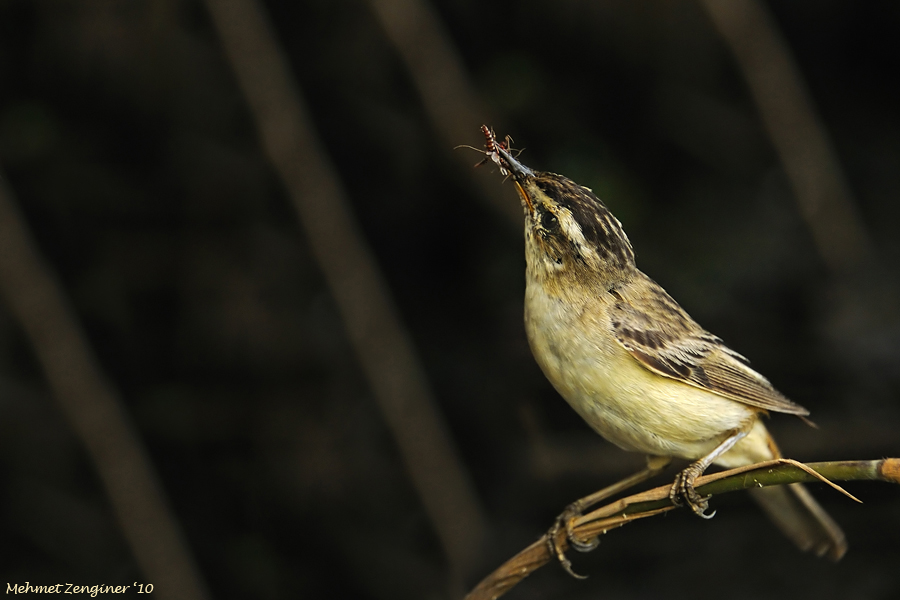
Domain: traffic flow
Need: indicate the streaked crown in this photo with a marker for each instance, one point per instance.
(568, 230)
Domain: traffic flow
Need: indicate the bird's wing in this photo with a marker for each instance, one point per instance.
(657, 332)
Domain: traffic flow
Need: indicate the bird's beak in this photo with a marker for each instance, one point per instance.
(519, 173)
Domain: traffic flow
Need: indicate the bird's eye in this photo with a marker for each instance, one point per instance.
(549, 221)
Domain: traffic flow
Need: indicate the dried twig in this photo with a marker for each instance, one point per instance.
(796, 131)
(92, 406)
(379, 339)
(656, 501)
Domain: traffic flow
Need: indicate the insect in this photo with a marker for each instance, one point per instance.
(491, 152)
(490, 149)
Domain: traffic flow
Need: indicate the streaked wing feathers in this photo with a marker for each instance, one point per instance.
(663, 338)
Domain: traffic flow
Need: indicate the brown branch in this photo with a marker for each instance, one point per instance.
(376, 333)
(93, 409)
(656, 501)
(800, 139)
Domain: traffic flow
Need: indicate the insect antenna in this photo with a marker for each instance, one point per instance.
(491, 152)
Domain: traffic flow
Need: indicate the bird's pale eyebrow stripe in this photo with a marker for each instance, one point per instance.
(603, 225)
(600, 230)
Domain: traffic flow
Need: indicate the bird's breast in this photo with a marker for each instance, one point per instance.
(638, 410)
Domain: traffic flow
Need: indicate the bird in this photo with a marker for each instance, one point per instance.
(634, 365)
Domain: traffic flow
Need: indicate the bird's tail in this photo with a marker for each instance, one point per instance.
(796, 513)
(793, 509)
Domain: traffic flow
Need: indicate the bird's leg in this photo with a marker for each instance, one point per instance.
(655, 465)
(684, 481)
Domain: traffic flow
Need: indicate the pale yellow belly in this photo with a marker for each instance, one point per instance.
(626, 403)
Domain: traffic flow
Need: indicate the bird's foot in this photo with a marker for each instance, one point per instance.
(683, 489)
(566, 520)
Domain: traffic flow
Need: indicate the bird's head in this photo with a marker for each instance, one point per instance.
(569, 232)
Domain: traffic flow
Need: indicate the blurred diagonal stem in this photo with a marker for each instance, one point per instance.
(451, 101)
(800, 139)
(379, 339)
(656, 501)
(94, 410)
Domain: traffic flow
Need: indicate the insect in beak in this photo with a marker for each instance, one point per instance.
(519, 172)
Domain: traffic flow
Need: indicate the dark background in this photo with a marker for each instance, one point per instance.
(136, 163)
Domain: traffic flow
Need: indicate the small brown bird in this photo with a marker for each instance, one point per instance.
(634, 364)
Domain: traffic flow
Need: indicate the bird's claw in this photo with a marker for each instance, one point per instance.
(566, 520)
(683, 491)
